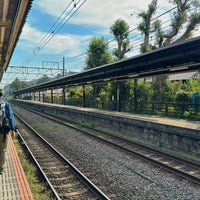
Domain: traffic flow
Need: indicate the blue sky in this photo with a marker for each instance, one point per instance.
(93, 19)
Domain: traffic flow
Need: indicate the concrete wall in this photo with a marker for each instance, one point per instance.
(173, 138)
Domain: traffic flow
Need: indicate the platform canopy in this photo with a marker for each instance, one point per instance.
(13, 14)
(177, 58)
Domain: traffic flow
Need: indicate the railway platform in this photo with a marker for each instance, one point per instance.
(176, 136)
(13, 182)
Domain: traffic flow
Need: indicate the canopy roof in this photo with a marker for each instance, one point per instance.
(13, 14)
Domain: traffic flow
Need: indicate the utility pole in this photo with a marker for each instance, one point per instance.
(63, 67)
(63, 90)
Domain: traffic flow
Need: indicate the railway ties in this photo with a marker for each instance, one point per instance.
(75, 144)
(168, 162)
(65, 180)
(183, 168)
(175, 165)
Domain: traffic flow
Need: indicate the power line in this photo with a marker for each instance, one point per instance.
(60, 23)
(110, 41)
(130, 31)
(52, 31)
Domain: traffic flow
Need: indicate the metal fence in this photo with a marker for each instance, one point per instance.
(176, 110)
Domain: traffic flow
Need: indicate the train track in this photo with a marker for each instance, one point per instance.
(183, 168)
(64, 179)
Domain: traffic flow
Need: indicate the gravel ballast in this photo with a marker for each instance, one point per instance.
(114, 172)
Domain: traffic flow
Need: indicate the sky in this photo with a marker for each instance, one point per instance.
(63, 29)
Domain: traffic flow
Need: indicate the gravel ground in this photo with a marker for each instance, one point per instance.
(113, 171)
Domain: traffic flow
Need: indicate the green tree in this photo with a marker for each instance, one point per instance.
(120, 30)
(192, 85)
(183, 22)
(98, 53)
(43, 79)
(187, 14)
(144, 93)
(17, 85)
(145, 26)
(185, 19)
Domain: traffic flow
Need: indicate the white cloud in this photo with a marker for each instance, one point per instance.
(100, 14)
(57, 44)
(103, 13)
(71, 43)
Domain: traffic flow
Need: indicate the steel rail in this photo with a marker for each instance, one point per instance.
(37, 164)
(82, 177)
(179, 172)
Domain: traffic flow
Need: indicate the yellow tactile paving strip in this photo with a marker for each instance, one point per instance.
(13, 183)
(8, 183)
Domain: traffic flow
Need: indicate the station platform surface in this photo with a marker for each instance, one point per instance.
(182, 123)
(13, 182)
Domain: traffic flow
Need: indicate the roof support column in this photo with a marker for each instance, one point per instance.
(135, 95)
(118, 97)
(63, 95)
(51, 95)
(43, 96)
(33, 96)
(39, 96)
(83, 90)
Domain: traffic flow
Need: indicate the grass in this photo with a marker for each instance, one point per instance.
(37, 185)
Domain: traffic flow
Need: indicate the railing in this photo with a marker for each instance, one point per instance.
(178, 110)
(169, 109)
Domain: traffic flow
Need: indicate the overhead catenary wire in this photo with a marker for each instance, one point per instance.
(130, 31)
(51, 28)
(60, 22)
(83, 55)
(57, 26)
(112, 40)
(52, 31)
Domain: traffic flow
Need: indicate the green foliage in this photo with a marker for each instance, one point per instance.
(192, 85)
(158, 143)
(75, 93)
(184, 20)
(17, 85)
(186, 114)
(43, 79)
(120, 30)
(170, 90)
(145, 26)
(112, 91)
(144, 92)
(183, 96)
(187, 16)
(97, 53)
(103, 94)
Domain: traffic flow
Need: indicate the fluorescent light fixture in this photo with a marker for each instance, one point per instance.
(106, 79)
(178, 68)
(133, 75)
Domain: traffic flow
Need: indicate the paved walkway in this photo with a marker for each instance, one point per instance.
(13, 183)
